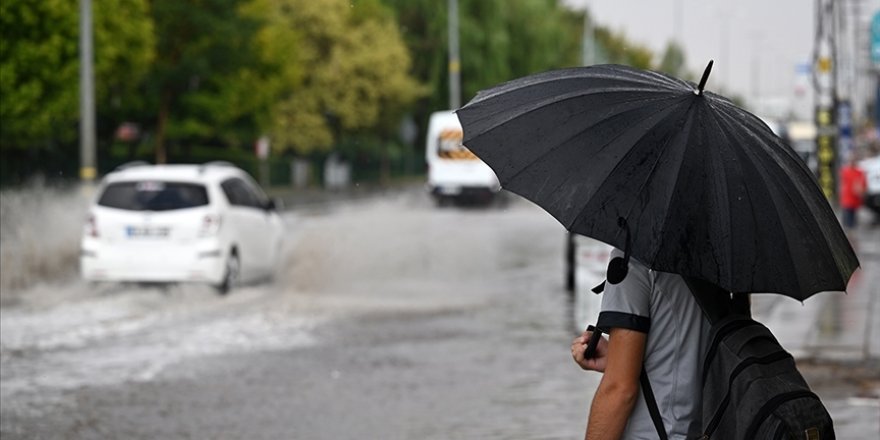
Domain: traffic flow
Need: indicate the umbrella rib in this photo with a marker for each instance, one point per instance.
(578, 133)
(724, 180)
(675, 186)
(845, 261)
(679, 124)
(646, 133)
(648, 78)
(724, 123)
(530, 106)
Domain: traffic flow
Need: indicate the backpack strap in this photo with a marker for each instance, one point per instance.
(653, 409)
(716, 304)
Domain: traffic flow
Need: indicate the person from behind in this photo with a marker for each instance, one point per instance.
(853, 185)
(653, 322)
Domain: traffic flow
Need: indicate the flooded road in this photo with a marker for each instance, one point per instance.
(389, 318)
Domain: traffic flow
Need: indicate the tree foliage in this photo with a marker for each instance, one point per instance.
(204, 71)
(356, 74)
(39, 65)
(502, 40)
(673, 61)
(499, 40)
(617, 49)
(311, 74)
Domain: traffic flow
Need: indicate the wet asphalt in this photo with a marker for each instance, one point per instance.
(389, 319)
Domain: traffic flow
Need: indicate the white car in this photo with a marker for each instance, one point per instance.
(206, 223)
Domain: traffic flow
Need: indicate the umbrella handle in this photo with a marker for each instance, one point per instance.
(590, 352)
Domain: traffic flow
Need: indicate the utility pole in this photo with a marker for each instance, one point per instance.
(859, 66)
(755, 82)
(454, 62)
(678, 24)
(87, 169)
(725, 14)
(825, 83)
(588, 39)
(844, 80)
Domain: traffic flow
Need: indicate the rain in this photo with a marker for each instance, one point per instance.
(401, 287)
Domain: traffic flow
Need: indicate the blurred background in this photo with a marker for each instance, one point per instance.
(409, 299)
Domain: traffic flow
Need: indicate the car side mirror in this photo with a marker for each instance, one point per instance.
(274, 205)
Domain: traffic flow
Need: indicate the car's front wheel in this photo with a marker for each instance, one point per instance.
(230, 274)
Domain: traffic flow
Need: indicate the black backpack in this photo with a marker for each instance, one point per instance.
(752, 388)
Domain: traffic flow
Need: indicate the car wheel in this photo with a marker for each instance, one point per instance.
(230, 274)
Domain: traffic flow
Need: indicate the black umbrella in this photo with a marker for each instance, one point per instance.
(681, 179)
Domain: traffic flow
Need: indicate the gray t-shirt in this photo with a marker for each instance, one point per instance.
(661, 305)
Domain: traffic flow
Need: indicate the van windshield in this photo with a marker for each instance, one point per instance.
(449, 145)
(153, 196)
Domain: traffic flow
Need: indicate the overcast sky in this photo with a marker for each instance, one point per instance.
(766, 39)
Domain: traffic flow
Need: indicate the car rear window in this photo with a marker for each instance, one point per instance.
(153, 196)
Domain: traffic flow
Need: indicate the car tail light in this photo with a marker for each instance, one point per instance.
(92, 226)
(210, 225)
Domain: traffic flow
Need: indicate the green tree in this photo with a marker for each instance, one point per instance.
(499, 40)
(204, 73)
(617, 49)
(355, 74)
(673, 61)
(39, 66)
(502, 40)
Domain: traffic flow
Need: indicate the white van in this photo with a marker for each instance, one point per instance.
(454, 172)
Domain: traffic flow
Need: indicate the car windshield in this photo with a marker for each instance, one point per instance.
(153, 196)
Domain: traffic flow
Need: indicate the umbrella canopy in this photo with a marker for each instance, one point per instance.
(704, 188)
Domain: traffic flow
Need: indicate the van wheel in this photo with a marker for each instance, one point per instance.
(231, 274)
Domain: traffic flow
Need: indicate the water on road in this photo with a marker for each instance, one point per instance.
(388, 318)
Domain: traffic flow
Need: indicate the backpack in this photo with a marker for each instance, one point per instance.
(752, 388)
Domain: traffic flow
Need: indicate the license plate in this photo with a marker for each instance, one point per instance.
(147, 232)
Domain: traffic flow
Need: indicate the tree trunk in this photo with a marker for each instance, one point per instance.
(384, 167)
(161, 127)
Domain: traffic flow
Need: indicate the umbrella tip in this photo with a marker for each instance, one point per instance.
(705, 77)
